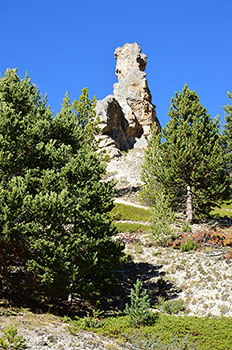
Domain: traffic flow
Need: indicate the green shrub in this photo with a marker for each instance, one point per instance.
(189, 245)
(10, 340)
(204, 331)
(173, 306)
(160, 301)
(162, 218)
(186, 227)
(139, 311)
(93, 321)
(88, 322)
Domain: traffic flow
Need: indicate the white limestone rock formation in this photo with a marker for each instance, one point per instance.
(126, 116)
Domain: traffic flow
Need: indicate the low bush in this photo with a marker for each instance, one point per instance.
(173, 306)
(88, 322)
(186, 227)
(216, 236)
(10, 339)
(189, 245)
(206, 333)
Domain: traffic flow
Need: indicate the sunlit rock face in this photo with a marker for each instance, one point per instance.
(126, 117)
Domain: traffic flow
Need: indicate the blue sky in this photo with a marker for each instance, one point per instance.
(68, 45)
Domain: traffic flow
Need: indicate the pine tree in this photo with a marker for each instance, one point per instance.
(162, 218)
(186, 160)
(227, 133)
(139, 311)
(53, 205)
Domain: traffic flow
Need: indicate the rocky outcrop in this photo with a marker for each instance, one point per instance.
(126, 117)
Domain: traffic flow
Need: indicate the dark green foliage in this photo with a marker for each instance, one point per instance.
(173, 306)
(88, 322)
(111, 326)
(227, 133)
(139, 309)
(188, 245)
(188, 152)
(53, 205)
(162, 218)
(205, 333)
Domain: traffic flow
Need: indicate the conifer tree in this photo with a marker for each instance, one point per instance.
(162, 218)
(54, 207)
(227, 134)
(186, 160)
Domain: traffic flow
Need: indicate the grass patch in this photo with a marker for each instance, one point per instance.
(129, 212)
(127, 227)
(205, 333)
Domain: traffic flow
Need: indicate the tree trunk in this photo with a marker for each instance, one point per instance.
(189, 206)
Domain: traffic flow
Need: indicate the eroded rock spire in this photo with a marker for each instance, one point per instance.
(126, 116)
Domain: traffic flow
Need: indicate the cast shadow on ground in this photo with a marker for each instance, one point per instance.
(153, 280)
(114, 299)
